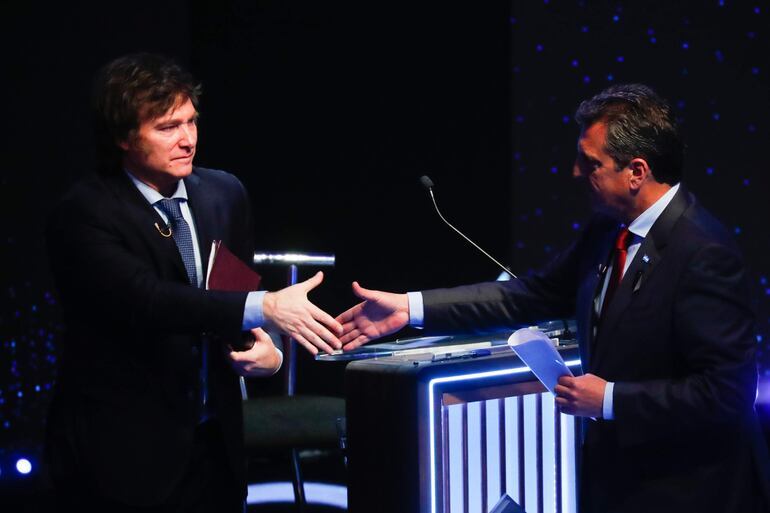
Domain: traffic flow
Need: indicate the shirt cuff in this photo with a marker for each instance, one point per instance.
(607, 410)
(416, 316)
(253, 316)
(280, 354)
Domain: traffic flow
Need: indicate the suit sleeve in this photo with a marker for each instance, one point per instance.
(713, 333)
(104, 283)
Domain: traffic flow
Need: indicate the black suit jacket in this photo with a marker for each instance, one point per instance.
(127, 395)
(678, 340)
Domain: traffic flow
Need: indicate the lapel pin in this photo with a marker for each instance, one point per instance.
(646, 259)
(166, 234)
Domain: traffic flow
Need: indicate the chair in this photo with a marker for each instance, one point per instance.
(292, 422)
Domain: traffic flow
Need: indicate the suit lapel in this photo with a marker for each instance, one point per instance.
(647, 258)
(144, 218)
(633, 281)
(590, 289)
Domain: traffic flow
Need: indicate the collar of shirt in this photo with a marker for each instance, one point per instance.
(640, 227)
(153, 196)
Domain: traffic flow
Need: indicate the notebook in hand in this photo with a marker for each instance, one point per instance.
(228, 272)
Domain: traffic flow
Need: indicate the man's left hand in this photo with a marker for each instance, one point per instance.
(262, 359)
(582, 396)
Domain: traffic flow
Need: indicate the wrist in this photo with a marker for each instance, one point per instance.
(268, 306)
(277, 360)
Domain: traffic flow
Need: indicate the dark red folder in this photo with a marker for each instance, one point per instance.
(228, 272)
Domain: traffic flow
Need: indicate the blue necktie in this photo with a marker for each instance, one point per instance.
(180, 231)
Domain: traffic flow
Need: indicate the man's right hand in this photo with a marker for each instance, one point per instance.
(380, 314)
(291, 312)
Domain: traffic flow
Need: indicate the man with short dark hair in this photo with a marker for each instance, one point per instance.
(665, 325)
(146, 414)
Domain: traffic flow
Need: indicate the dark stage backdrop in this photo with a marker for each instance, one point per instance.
(710, 59)
(330, 111)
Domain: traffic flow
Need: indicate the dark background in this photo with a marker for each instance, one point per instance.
(329, 112)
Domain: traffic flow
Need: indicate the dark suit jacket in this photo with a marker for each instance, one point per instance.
(127, 394)
(679, 342)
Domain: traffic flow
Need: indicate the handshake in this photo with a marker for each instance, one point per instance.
(290, 311)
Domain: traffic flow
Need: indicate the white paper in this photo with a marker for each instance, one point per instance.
(539, 354)
(212, 255)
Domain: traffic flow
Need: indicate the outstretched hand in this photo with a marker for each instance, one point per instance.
(290, 311)
(380, 314)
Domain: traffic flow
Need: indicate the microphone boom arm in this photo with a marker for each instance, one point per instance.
(432, 197)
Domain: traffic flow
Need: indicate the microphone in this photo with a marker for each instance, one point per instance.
(428, 184)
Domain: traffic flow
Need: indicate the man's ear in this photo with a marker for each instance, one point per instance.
(640, 172)
(124, 144)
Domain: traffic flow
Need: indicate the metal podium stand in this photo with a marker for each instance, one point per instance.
(291, 422)
(292, 261)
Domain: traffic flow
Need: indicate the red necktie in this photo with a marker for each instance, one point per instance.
(618, 263)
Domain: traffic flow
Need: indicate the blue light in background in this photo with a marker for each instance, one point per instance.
(23, 466)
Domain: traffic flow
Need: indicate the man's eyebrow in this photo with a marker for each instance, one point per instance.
(175, 121)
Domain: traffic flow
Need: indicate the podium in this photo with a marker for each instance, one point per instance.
(454, 428)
